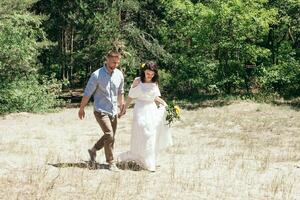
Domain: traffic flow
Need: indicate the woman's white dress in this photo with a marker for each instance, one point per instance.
(149, 133)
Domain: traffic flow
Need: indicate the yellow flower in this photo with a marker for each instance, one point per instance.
(173, 113)
(177, 110)
(143, 65)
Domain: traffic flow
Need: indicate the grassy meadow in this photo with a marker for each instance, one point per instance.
(243, 150)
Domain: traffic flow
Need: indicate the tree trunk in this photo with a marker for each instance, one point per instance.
(61, 43)
(271, 44)
(71, 55)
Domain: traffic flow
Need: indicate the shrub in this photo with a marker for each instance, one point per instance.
(30, 94)
(282, 78)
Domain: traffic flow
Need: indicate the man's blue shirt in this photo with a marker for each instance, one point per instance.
(105, 88)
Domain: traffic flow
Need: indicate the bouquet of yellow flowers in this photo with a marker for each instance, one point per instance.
(173, 113)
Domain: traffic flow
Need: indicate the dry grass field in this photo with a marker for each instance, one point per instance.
(241, 151)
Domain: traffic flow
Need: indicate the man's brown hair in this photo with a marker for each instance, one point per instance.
(113, 53)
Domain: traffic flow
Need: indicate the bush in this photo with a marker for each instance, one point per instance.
(188, 76)
(29, 95)
(165, 83)
(282, 78)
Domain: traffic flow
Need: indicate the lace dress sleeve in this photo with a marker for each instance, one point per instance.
(135, 92)
(157, 91)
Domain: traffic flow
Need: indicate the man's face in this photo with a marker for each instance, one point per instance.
(112, 62)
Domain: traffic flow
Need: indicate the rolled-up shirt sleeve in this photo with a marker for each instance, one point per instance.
(91, 86)
(121, 87)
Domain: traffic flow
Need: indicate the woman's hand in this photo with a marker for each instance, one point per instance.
(136, 82)
(161, 101)
(164, 103)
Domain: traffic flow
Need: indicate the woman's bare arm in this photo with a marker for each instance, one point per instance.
(160, 101)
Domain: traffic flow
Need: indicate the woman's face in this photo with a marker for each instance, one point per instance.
(149, 75)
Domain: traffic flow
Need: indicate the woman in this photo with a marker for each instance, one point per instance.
(149, 132)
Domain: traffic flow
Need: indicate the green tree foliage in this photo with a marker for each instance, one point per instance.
(213, 42)
(229, 46)
(202, 46)
(18, 45)
(281, 73)
(83, 32)
(20, 41)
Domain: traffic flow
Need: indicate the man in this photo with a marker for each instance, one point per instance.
(107, 87)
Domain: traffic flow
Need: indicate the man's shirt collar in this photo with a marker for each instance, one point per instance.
(105, 67)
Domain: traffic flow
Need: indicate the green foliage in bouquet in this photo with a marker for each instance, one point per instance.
(173, 113)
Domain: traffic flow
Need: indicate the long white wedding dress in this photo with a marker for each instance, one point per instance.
(150, 133)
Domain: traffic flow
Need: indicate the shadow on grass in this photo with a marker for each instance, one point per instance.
(224, 100)
(294, 104)
(205, 101)
(85, 164)
(275, 99)
(131, 165)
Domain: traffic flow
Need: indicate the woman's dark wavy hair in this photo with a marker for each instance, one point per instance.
(150, 65)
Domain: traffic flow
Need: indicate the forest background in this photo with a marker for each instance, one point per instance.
(206, 49)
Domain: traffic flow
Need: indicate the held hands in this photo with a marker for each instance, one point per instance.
(122, 110)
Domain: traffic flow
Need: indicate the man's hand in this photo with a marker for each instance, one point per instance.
(84, 102)
(81, 113)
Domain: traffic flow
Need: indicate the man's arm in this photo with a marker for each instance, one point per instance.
(84, 102)
(121, 104)
(88, 92)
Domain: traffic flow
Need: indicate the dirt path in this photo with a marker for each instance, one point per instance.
(241, 151)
